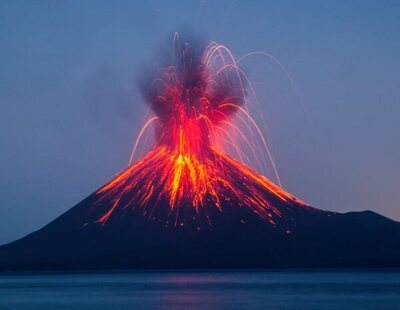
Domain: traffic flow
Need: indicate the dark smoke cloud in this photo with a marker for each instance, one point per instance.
(179, 77)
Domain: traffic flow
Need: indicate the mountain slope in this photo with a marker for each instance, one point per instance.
(241, 232)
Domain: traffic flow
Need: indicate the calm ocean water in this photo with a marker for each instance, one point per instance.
(205, 290)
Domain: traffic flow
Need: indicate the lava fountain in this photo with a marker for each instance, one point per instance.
(198, 104)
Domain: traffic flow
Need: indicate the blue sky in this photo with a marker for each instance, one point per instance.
(70, 109)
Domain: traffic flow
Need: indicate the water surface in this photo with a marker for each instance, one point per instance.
(205, 290)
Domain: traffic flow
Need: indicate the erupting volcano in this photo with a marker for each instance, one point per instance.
(187, 179)
(194, 200)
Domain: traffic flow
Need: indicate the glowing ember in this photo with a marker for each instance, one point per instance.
(187, 177)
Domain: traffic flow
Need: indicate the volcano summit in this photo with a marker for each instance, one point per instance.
(187, 204)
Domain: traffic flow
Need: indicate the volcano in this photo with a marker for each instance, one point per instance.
(188, 204)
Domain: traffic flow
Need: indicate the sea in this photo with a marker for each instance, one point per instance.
(222, 289)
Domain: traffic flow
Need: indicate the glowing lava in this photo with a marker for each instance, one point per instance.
(187, 178)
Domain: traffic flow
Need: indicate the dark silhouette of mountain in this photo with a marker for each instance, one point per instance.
(236, 237)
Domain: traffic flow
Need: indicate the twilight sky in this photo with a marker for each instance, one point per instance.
(70, 109)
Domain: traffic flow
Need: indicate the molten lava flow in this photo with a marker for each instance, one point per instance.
(166, 181)
(187, 178)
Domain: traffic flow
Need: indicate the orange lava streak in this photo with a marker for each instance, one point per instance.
(105, 217)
